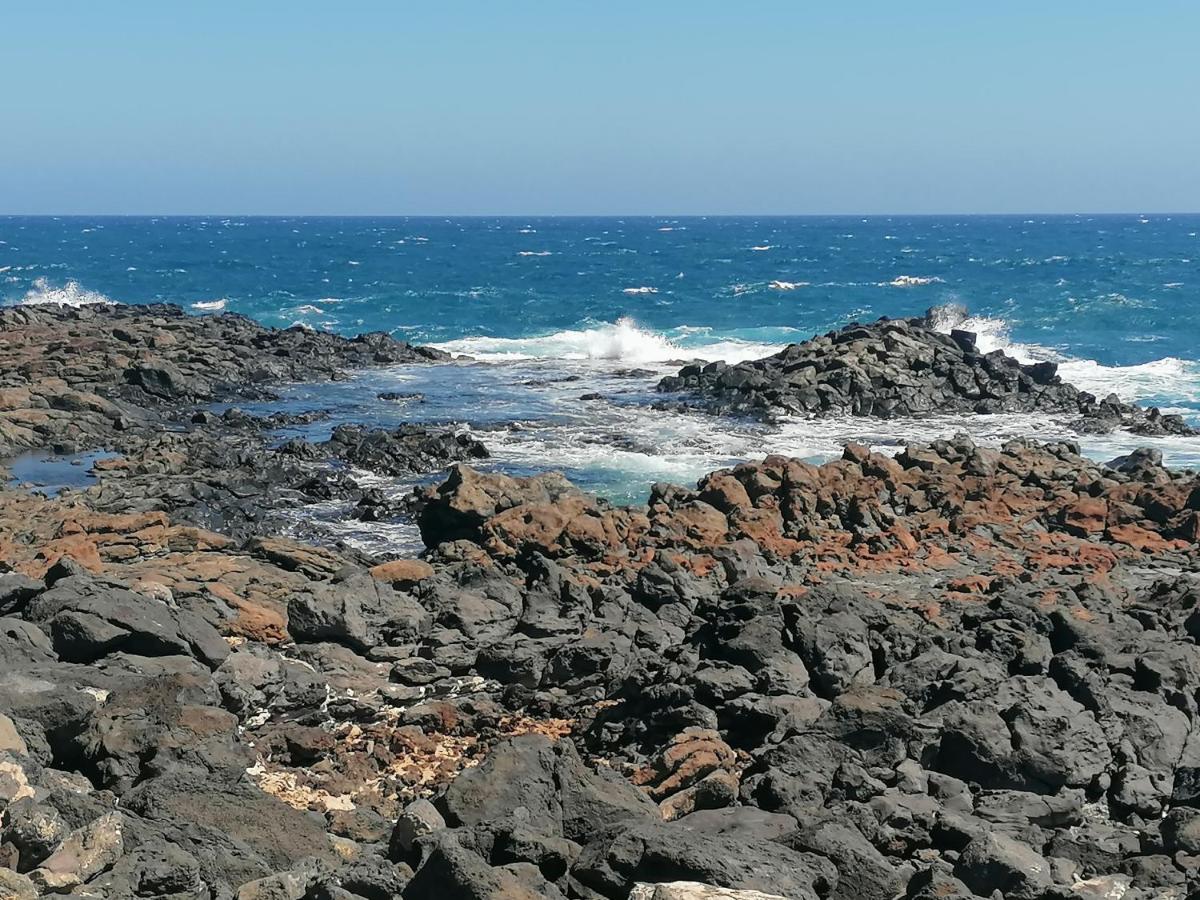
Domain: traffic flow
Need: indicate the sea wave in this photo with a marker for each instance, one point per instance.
(622, 341)
(70, 294)
(210, 305)
(1165, 377)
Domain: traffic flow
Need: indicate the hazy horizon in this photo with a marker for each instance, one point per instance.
(984, 214)
(531, 109)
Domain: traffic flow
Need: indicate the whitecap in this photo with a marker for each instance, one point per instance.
(1171, 377)
(761, 247)
(911, 281)
(787, 285)
(535, 253)
(70, 294)
(210, 304)
(1167, 377)
(639, 290)
(622, 341)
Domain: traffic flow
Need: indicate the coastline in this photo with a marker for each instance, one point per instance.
(961, 669)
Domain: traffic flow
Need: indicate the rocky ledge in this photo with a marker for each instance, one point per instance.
(902, 368)
(959, 672)
(76, 377)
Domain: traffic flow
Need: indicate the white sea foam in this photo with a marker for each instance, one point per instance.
(209, 304)
(761, 248)
(534, 253)
(911, 281)
(622, 341)
(70, 294)
(787, 285)
(639, 290)
(1166, 377)
(632, 446)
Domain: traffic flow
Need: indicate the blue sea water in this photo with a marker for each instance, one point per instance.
(553, 308)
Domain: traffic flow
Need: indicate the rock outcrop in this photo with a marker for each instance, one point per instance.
(896, 368)
(958, 672)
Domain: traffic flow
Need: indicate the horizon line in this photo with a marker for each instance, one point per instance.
(640, 215)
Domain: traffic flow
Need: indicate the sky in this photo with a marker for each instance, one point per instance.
(569, 107)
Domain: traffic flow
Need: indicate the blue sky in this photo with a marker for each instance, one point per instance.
(571, 107)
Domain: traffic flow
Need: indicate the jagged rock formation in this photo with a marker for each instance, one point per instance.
(78, 376)
(944, 670)
(959, 672)
(901, 368)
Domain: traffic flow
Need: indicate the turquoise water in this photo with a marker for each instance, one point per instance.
(552, 309)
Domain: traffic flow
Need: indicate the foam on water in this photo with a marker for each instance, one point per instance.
(1110, 299)
(69, 294)
(209, 305)
(1145, 382)
(622, 341)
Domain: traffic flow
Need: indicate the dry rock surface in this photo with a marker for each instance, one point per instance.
(960, 672)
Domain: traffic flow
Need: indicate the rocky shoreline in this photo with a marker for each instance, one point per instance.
(903, 368)
(958, 672)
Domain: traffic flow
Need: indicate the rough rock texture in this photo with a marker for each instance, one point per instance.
(69, 374)
(902, 368)
(139, 381)
(959, 672)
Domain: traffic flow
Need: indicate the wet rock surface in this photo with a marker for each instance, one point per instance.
(140, 382)
(959, 672)
(896, 368)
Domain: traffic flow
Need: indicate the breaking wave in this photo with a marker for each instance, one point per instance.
(1144, 382)
(621, 341)
(70, 294)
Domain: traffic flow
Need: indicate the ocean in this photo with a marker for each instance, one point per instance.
(552, 309)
